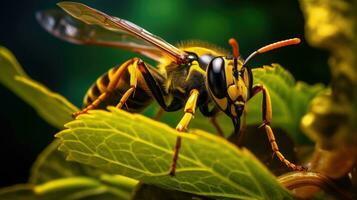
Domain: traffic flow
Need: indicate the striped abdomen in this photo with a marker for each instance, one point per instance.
(141, 99)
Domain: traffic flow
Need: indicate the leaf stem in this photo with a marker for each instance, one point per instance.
(119, 181)
(296, 180)
(65, 184)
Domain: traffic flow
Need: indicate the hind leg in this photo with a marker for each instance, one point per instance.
(130, 65)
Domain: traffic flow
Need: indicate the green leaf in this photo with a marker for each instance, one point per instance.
(73, 188)
(17, 192)
(51, 169)
(138, 147)
(51, 166)
(51, 106)
(290, 100)
(151, 192)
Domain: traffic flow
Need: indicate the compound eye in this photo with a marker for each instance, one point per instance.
(216, 77)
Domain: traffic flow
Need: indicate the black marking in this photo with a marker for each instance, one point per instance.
(264, 105)
(104, 80)
(94, 92)
(216, 77)
(157, 90)
(208, 113)
(250, 82)
(236, 123)
(235, 70)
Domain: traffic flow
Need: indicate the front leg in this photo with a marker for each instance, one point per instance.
(267, 117)
(212, 114)
(190, 108)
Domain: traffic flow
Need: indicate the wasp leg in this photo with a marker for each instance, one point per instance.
(159, 113)
(212, 114)
(112, 85)
(158, 91)
(267, 117)
(216, 125)
(190, 108)
(133, 70)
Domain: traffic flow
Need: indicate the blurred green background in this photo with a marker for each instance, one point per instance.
(70, 69)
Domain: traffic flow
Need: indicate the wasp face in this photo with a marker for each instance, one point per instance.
(229, 84)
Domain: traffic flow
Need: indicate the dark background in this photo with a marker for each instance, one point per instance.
(70, 69)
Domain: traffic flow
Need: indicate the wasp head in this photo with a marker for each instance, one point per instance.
(229, 80)
(228, 83)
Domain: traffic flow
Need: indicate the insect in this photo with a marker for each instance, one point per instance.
(194, 75)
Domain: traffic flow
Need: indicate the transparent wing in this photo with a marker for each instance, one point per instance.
(93, 27)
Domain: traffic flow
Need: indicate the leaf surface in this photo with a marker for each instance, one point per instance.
(290, 100)
(73, 188)
(51, 106)
(150, 192)
(51, 166)
(140, 148)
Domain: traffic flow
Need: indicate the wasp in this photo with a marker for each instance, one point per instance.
(193, 75)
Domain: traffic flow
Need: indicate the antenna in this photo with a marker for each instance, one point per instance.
(273, 46)
(235, 47)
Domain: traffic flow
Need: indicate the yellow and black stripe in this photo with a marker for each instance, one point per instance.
(136, 103)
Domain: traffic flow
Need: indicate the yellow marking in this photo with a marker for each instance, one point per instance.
(133, 71)
(114, 76)
(242, 89)
(102, 88)
(202, 49)
(233, 111)
(199, 48)
(269, 110)
(240, 65)
(195, 67)
(268, 107)
(190, 106)
(168, 84)
(233, 92)
(239, 103)
(133, 74)
(111, 73)
(223, 103)
(229, 75)
(183, 124)
(90, 94)
(231, 63)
